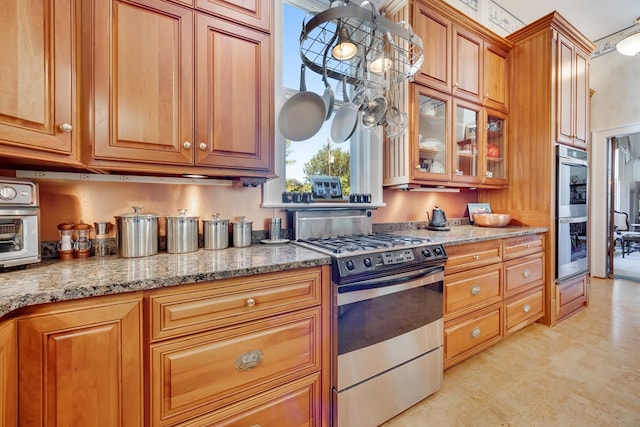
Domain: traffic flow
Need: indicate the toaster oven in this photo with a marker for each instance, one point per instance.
(19, 223)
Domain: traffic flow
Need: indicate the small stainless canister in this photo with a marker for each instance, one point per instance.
(216, 232)
(274, 229)
(242, 233)
(182, 233)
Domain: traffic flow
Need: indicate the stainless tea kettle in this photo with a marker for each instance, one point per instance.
(437, 218)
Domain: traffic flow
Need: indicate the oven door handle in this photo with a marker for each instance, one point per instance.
(366, 289)
(572, 219)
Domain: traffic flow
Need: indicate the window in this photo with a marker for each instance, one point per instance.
(356, 161)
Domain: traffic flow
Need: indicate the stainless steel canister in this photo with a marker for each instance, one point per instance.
(137, 233)
(216, 232)
(241, 233)
(182, 233)
(274, 229)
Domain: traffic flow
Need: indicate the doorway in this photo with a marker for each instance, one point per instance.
(624, 182)
(600, 182)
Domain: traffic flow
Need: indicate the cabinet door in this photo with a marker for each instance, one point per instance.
(564, 91)
(582, 113)
(467, 64)
(37, 87)
(8, 374)
(82, 366)
(495, 77)
(493, 151)
(435, 32)
(234, 105)
(142, 88)
(430, 156)
(466, 134)
(256, 13)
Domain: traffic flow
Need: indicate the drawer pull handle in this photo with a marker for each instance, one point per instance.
(526, 308)
(475, 333)
(475, 290)
(526, 274)
(248, 360)
(251, 302)
(476, 257)
(527, 245)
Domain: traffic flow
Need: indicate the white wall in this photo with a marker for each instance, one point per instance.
(615, 110)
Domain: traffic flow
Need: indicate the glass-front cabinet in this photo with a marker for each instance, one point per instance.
(495, 170)
(456, 141)
(466, 136)
(432, 130)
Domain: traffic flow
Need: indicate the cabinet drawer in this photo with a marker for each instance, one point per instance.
(293, 405)
(463, 335)
(193, 376)
(465, 257)
(221, 303)
(523, 310)
(523, 273)
(470, 290)
(517, 247)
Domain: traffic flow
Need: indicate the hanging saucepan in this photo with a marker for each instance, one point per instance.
(396, 120)
(373, 111)
(302, 115)
(346, 119)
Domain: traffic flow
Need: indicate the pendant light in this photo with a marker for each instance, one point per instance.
(345, 48)
(382, 55)
(630, 45)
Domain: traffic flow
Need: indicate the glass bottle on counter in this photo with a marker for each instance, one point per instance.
(65, 245)
(82, 245)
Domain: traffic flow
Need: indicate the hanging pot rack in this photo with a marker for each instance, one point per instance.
(373, 34)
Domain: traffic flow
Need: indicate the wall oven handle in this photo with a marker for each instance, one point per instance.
(359, 291)
(571, 220)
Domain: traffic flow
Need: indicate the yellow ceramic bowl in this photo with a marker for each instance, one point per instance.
(492, 219)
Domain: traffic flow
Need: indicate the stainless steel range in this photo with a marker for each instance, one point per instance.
(387, 314)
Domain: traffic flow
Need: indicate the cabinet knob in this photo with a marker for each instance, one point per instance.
(486, 95)
(527, 246)
(65, 127)
(456, 85)
(187, 145)
(251, 302)
(526, 308)
(202, 146)
(475, 332)
(476, 257)
(526, 274)
(475, 290)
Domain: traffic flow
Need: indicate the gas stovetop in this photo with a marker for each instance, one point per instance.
(358, 257)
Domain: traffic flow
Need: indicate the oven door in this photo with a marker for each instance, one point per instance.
(19, 241)
(385, 322)
(572, 187)
(572, 247)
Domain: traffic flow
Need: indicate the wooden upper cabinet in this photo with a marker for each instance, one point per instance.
(256, 13)
(495, 76)
(467, 64)
(435, 31)
(234, 81)
(81, 363)
(572, 94)
(142, 88)
(38, 78)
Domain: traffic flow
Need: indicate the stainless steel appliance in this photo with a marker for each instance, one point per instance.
(571, 220)
(387, 315)
(19, 223)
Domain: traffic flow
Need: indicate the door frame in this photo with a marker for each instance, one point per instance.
(599, 206)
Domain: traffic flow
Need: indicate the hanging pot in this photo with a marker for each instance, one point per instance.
(303, 114)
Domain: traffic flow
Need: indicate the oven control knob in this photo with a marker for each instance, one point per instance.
(8, 193)
(426, 253)
(350, 265)
(437, 251)
(368, 263)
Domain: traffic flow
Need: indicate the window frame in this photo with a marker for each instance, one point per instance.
(366, 146)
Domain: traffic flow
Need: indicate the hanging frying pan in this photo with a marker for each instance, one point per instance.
(346, 119)
(302, 115)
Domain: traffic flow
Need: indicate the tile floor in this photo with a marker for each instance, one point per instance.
(583, 372)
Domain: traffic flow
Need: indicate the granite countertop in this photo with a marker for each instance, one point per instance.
(53, 281)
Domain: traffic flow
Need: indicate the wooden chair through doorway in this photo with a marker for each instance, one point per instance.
(629, 239)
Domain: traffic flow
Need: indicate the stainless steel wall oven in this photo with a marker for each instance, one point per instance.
(387, 305)
(572, 211)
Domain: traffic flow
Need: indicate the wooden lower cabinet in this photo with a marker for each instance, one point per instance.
(80, 363)
(8, 374)
(491, 290)
(571, 296)
(241, 352)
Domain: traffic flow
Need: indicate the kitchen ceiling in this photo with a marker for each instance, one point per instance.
(594, 18)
